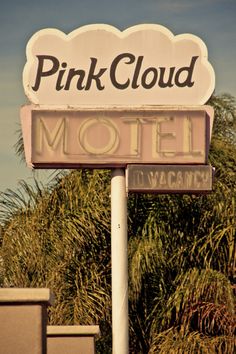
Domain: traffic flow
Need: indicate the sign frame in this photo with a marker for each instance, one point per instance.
(29, 115)
(169, 179)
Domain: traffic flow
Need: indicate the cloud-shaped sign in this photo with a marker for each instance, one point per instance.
(100, 65)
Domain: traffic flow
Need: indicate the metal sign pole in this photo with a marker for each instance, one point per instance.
(119, 258)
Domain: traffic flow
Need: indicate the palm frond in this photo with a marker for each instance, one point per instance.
(202, 301)
(175, 341)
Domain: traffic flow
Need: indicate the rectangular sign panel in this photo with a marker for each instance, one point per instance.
(93, 137)
(169, 179)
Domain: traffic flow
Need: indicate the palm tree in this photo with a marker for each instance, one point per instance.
(182, 253)
(183, 266)
(60, 238)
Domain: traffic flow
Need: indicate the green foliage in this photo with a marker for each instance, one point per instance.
(225, 117)
(179, 342)
(61, 240)
(182, 253)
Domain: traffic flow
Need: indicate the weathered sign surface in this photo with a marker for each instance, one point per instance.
(169, 179)
(101, 65)
(115, 137)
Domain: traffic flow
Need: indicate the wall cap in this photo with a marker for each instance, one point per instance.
(26, 295)
(73, 330)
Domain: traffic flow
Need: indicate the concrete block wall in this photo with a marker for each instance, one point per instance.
(24, 330)
(71, 339)
(23, 320)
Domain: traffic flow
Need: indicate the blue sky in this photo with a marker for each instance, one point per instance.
(214, 21)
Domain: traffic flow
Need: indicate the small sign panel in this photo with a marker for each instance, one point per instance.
(67, 138)
(169, 179)
(101, 65)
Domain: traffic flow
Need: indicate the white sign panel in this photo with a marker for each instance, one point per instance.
(100, 65)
